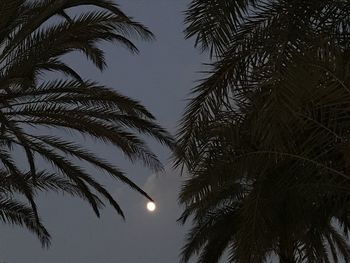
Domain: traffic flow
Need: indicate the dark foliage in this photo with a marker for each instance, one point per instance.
(266, 136)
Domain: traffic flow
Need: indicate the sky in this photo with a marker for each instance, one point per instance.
(161, 77)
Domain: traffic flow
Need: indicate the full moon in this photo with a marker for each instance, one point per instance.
(151, 206)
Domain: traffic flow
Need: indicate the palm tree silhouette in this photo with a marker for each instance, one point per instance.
(33, 43)
(265, 136)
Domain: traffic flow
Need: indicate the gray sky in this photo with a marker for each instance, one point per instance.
(160, 77)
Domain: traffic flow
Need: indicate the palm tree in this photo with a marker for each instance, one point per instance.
(253, 205)
(34, 37)
(265, 137)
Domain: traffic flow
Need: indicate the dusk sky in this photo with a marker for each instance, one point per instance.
(161, 78)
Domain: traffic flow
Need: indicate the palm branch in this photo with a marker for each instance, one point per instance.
(34, 38)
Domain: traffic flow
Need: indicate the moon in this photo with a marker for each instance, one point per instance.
(151, 206)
